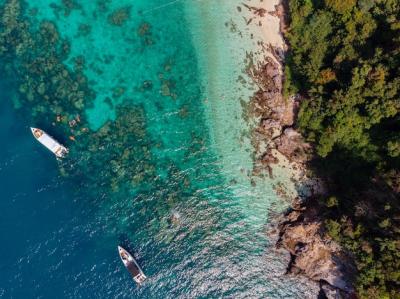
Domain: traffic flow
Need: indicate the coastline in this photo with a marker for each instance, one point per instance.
(232, 55)
(222, 44)
(280, 148)
(186, 148)
(274, 138)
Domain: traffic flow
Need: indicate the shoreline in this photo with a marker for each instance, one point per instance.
(227, 90)
(280, 147)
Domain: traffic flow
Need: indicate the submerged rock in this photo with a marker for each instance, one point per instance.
(119, 16)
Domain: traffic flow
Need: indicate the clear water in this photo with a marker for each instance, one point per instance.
(188, 207)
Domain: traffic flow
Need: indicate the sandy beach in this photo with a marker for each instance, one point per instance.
(270, 24)
(261, 17)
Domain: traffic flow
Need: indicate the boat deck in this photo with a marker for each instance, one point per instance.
(133, 269)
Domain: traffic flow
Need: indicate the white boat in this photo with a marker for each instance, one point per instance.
(49, 142)
(132, 266)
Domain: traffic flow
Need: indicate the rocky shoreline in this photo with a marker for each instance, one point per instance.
(300, 231)
(313, 253)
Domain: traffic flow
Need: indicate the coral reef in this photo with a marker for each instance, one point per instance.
(118, 151)
(35, 58)
(54, 95)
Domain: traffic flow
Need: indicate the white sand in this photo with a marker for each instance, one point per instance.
(268, 26)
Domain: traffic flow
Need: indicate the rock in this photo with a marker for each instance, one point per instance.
(272, 128)
(271, 70)
(277, 114)
(314, 254)
(292, 145)
(330, 292)
(269, 159)
(291, 134)
(298, 204)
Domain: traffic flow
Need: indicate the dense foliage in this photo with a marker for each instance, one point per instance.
(344, 61)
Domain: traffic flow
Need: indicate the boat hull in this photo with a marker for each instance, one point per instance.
(49, 142)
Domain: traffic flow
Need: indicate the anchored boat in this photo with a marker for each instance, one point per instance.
(132, 266)
(49, 142)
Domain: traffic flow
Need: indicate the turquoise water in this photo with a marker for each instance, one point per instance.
(161, 161)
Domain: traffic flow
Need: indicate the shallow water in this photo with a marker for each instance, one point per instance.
(183, 200)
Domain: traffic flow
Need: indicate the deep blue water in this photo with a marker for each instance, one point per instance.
(197, 230)
(34, 203)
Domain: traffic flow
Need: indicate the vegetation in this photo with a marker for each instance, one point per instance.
(344, 61)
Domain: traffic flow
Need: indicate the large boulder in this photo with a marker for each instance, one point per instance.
(315, 254)
(292, 145)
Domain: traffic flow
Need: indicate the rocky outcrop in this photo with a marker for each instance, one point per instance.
(313, 253)
(277, 116)
(301, 230)
(291, 144)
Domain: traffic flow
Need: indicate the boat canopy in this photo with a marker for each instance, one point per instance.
(49, 142)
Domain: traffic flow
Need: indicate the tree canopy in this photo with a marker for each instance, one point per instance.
(344, 62)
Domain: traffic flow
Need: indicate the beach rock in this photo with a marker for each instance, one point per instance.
(277, 113)
(272, 128)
